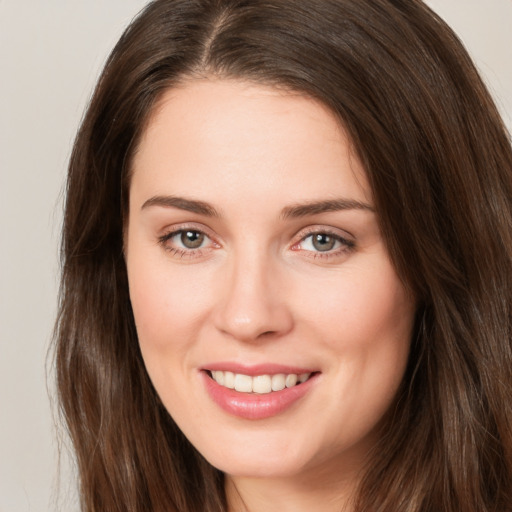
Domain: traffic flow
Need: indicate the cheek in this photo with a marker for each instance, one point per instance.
(365, 321)
(167, 309)
(165, 300)
(360, 307)
(151, 301)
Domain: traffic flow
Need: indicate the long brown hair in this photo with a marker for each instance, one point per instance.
(439, 161)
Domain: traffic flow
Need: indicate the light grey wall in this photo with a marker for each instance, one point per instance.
(485, 27)
(50, 55)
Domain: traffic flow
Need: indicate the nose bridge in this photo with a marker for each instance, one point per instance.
(253, 303)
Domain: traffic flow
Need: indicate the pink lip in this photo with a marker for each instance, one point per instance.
(256, 369)
(253, 406)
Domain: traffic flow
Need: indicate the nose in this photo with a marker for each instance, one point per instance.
(253, 303)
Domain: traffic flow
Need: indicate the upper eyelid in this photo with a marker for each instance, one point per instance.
(164, 238)
(302, 234)
(342, 240)
(164, 241)
(311, 230)
(346, 239)
(186, 226)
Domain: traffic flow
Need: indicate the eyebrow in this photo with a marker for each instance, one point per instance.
(293, 211)
(331, 205)
(189, 205)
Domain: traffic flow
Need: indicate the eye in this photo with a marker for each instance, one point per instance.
(321, 242)
(186, 242)
(189, 239)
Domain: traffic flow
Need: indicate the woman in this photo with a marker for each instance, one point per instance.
(287, 265)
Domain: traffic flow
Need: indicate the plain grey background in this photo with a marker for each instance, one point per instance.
(51, 52)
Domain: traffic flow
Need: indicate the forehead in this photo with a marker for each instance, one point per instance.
(209, 135)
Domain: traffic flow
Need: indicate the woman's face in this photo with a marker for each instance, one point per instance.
(255, 260)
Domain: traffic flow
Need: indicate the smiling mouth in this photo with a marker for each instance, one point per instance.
(259, 384)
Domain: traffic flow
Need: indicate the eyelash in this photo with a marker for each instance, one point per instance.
(346, 246)
(184, 252)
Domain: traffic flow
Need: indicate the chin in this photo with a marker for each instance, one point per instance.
(260, 467)
(264, 455)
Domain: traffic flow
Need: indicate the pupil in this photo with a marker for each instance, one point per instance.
(323, 242)
(192, 239)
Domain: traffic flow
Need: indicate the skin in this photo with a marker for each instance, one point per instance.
(258, 290)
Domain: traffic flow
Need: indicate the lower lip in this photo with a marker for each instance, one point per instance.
(253, 406)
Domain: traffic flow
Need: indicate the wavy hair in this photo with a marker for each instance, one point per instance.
(439, 162)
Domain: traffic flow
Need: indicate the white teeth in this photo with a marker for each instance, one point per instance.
(219, 377)
(261, 384)
(291, 380)
(229, 380)
(243, 383)
(278, 382)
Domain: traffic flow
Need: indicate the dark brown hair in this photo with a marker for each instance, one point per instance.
(439, 162)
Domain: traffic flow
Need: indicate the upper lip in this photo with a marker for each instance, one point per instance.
(257, 369)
